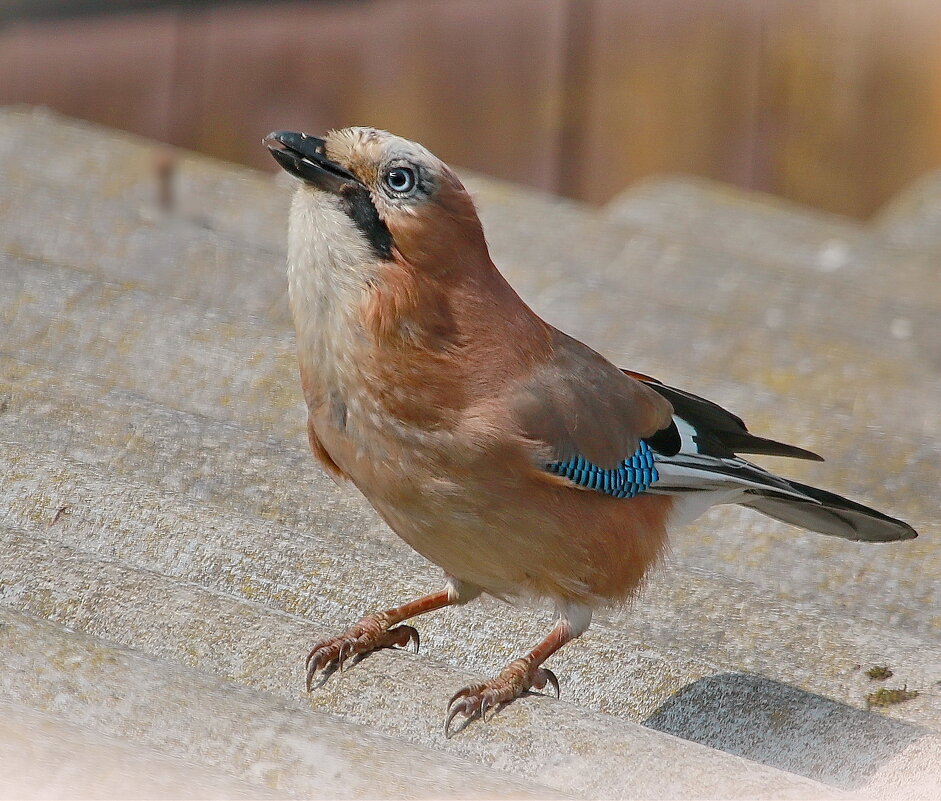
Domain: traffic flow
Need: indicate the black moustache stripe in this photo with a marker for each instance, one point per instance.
(359, 206)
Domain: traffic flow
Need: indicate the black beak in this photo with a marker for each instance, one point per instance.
(304, 156)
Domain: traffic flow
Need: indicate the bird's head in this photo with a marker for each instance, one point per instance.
(396, 198)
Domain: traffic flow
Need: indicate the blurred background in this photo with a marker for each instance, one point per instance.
(832, 103)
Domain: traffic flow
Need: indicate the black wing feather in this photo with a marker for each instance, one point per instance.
(719, 432)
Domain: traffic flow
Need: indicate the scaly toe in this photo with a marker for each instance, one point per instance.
(369, 634)
(515, 680)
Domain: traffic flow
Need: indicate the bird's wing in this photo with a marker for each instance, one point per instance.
(710, 429)
(577, 404)
(622, 434)
(696, 455)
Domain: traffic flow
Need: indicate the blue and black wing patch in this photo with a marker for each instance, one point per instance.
(632, 477)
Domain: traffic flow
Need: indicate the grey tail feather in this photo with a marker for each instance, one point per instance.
(828, 513)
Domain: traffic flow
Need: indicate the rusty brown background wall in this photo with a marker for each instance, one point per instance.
(835, 103)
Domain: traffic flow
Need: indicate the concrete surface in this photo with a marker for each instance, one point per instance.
(272, 746)
(47, 758)
(913, 218)
(156, 495)
(168, 588)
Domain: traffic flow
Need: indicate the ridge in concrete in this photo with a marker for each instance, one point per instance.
(229, 738)
(470, 637)
(703, 210)
(567, 748)
(96, 540)
(245, 373)
(805, 734)
(768, 231)
(912, 219)
(57, 760)
(224, 467)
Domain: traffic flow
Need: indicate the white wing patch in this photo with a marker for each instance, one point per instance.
(687, 435)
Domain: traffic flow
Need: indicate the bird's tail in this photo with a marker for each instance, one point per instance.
(717, 480)
(829, 513)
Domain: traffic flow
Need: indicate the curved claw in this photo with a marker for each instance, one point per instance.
(346, 648)
(310, 656)
(309, 683)
(312, 685)
(312, 668)
(464, 691)
(413, 639)
(447, 722)
(462, 708)
(552, 679)
(312, 664)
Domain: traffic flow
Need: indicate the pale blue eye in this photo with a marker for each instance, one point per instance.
(401, 180)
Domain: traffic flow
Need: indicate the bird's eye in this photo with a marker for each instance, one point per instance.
(401, 180)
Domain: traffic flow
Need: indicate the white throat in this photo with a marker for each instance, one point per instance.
(329, 264)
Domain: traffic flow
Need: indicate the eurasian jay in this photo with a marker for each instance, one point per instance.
(513, 456)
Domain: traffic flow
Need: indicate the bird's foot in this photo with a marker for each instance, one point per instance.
(513, 681)
(369, 634)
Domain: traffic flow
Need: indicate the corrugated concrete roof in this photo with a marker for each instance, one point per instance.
(170, 549)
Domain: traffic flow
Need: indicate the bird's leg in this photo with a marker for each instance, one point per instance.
(374, 631)
(520, 675)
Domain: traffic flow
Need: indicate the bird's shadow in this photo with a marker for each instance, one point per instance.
(785, 727)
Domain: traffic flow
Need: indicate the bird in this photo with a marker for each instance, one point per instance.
(516, 458)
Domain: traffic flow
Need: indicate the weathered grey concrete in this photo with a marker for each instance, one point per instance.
(562, 746)
(802, 733)
(46, 758)
(206, 726)
(111, 239)
(656, 648)
(181, 355)
(913, 218)
(243, 371)
(155, 487)
(121, 169)
(212, 463)
(768, 231)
